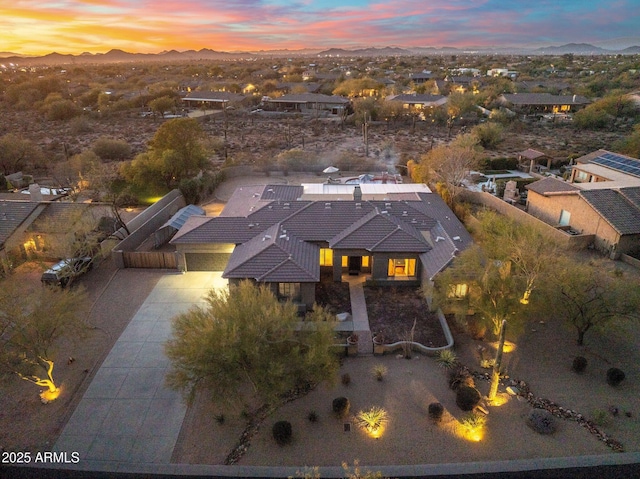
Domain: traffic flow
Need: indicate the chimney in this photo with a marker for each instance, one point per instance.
(34, 192)
(357, 193)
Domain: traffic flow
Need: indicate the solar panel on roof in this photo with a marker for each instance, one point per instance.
(618, 162)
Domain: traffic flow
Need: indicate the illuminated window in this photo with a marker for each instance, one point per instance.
(399, 268)
(289, 290)
(458, 291)
(326, 257)
(345, 261)
(365, 261)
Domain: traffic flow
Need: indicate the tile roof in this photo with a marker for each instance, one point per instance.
(619, 208)
(419, 98)
(275, 256)
(551, 185)
(309, 98)
(380, 232)
(12, 216)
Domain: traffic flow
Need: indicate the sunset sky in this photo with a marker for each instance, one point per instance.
(35, 27)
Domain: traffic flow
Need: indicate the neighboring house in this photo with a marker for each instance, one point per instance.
(602, 199)
(421, 77)
(539, 103)
(286, 236)
(299, 87)
(311, 103)
(15, 218)
(417, 102)
(502, 72)
(213, 99)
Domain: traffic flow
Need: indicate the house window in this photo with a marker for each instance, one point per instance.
(581, 176)
(365, 261)
(457, 291)
(565, 217)
(289, 291)
(402, 268)
(326, 257)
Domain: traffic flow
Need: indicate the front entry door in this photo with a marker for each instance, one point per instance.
(355, 265)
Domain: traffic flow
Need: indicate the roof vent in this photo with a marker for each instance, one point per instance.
(251, 225)
(405, 213)
(266, 237)
(387, 205)
(413, 221)
(286, 206)
(456, 238)
(358, 206)
(439, 238)
(327, 206)
(384, 212)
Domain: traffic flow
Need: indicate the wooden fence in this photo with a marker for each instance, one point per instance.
(149, 259)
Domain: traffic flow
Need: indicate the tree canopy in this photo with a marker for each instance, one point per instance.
(31, 324)
(245, 339)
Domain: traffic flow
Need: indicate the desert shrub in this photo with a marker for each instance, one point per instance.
(436, 410)
(489, 134)
(379, 371)
(615, 376)
(446, 359)
(312, 416)
(62, 110)
(341, 406)
(473, 421)
(541, 421)
(579, 364)
(372, 419)
(219, 418)
(282, 432)
(346, 379)
(467, 397)
(599, 417)
(111, 149)
(460, 376)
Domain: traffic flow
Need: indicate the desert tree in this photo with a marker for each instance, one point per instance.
(162, 104)
(449, 164)
(245, 344)
(17, 153)
(32, 324)
(531, 253)
(587, 296)
(480, 284)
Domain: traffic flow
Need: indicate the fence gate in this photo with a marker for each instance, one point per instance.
(149, 259)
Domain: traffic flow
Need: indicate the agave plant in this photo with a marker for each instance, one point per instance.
(446, 359)
(373, 419)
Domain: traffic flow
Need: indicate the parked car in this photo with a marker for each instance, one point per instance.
(63, 271)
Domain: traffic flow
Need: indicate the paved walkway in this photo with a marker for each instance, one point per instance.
(128, 415)
(359, 313)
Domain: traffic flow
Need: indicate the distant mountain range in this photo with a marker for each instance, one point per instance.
(120, 56)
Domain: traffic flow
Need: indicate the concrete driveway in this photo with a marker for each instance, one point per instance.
(127, 415)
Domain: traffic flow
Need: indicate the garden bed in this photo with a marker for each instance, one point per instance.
(392, 312)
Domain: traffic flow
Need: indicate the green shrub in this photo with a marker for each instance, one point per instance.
(541, 421)
(436, 410)
(111, 149)
(312, 416)
(615, 376)
(341, 406)
(282, 432)
(446, 359)
(579, 364)
(467, 397)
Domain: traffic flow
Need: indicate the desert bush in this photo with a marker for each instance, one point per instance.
(379, 371)
(61, 110)
(579, 364)
(346, 379)
(341, 406)
(312, 416)
(489, 134)
(282, 432)
(467, 397)
(473, 421)
(436, 410)
(599, 417)
(541, 421)
(111, 149)
(446, 359)
(460, 376)
(615, 376)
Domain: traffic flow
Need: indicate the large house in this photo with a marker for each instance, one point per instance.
(310, 103)
(601, 199)
(286, 236)
(539, 103)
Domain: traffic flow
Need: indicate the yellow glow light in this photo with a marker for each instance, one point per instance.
(499, 400)
(47, 396)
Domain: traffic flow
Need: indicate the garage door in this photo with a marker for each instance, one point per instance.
(206, 261)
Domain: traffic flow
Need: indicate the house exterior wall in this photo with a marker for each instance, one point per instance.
(583, 217)
(210, 248)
